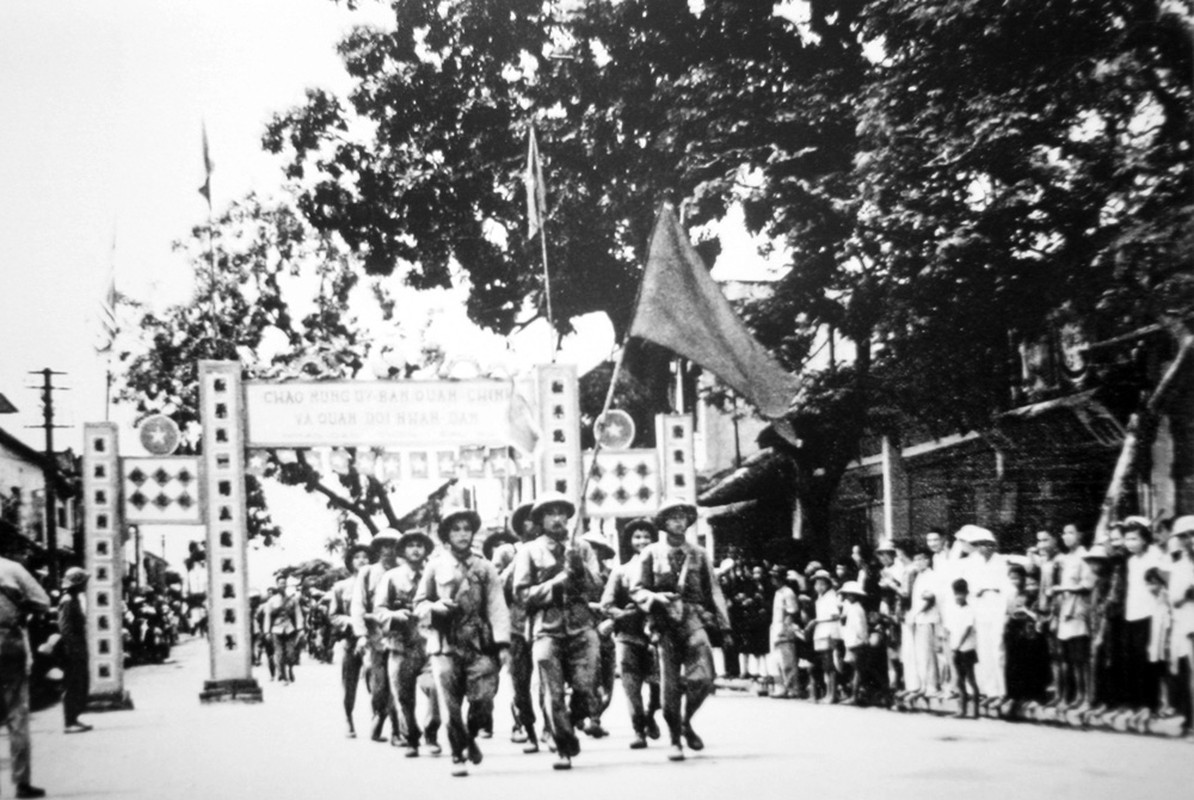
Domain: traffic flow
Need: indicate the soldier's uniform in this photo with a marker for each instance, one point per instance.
(394, 609)
(365, 626)
(564, 642)
(20, 595)
(686, 669)
(352, 659)
(463, 638)
(636, 655)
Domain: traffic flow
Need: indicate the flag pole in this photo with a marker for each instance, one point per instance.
(205, 190)
(613, 381)
(551, 325)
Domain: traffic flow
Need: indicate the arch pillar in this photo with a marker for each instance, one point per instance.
(221, 404)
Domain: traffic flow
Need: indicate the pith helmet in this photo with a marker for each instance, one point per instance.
(416, 537)
(495, 539)
(547, 500)
(75, 576)
(519, 517)
(642, 524)
(453, 513)
(385, 536)
(673, 504)
(599, 544)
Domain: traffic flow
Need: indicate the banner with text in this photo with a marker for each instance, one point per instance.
(393, 414)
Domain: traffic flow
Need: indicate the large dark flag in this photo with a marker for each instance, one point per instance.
(681, 307)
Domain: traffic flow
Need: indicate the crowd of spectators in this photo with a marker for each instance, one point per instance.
(1064, 629)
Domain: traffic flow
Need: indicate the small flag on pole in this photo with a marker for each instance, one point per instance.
(536, 192)
(205, 189)
(682, 308)
(106, 312)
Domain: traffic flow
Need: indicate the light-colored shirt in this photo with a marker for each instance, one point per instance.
(854, 627)
(961, 628)
(1140, 601)
(474, 586)
(1181, 580)
(829, 626)
(926, 610)
(1075, 582)
(556, 606)
(783, 611)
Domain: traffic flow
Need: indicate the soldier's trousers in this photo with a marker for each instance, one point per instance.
(403, 670)
(566, 661)
(350, 675)
(377, 681)
(685, 676)
(460, 677)
(638, 665)
(14, 704)
(521, 667)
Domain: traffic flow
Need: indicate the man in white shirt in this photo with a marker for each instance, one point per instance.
(986, 574)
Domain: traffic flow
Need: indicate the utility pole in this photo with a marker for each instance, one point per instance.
(50, 468)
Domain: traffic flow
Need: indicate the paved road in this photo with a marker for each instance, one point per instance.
(292, 746)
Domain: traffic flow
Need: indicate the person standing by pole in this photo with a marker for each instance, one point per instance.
(459, 597)
(557, 582)
(72, 627)
(20, 596)
(676, 586)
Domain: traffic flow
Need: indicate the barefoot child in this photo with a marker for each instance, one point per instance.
(962, 644)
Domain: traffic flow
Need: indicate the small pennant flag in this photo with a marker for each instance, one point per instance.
(106, 311)
(205, 189)
(536, 191)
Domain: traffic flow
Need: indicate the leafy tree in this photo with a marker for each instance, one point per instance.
(1020, 157)
(266, 259)
(943, 175)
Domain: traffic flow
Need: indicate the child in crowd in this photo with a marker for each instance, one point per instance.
(962, 644)
(825, 630)
(805, 655)
(855, 635)
(1073, 609)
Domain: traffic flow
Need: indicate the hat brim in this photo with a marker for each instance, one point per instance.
(661, 516)
(519, 517)
(493, 540)
(538, 510)
(641, 525)
(467, 513)
(416, 536)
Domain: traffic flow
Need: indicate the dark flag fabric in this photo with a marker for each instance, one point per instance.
(681, 307)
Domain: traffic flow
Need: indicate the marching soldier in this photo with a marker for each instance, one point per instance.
(384, 549)
(459, 597)
(557, 582)
(636, 657)
(339, 601)
(521, 664)
(676, 585)
(393, 607)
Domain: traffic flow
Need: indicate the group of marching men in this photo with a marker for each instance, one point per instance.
(540, 601)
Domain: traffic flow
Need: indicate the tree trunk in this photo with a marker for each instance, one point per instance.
(1125, 467)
